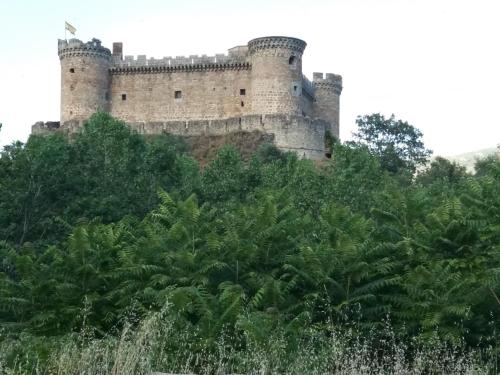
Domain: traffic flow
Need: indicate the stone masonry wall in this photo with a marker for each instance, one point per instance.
(300, 134)
(255, 87)
(291, 133)
(327, 95)
(276, 74)
(84, 78)
(204, 94)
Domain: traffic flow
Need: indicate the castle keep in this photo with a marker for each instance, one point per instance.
(258, 86)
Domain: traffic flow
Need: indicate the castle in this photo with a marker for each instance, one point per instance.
(255, 87)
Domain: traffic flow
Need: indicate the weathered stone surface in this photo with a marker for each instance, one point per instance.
(257, 87)
(41, 127)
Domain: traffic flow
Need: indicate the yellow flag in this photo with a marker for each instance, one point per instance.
(69, 27)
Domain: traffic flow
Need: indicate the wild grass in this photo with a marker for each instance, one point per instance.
(159, 345)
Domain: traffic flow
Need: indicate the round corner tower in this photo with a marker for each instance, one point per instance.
(327, 99)
(276, 74)
(84, 79)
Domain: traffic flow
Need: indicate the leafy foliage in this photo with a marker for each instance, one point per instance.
(107, 171)
(99, 230)
(398, 144)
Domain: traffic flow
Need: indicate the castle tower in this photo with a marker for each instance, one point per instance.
(84, 79)
(276, 74)
(327, 99)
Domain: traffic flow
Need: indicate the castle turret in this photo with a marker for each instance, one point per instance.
(84, 79)
(327, 99)
(276, 74)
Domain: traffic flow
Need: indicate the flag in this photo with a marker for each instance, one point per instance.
(69, 27)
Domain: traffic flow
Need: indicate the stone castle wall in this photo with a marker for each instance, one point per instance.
(258, 86)
(300, 134)
(204, 94)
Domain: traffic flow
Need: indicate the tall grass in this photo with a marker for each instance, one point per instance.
(159, 345)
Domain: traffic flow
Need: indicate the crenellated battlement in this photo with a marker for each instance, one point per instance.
(142, 60)
(276, 42)
(332, 82)
(145, 69)
(75, 47)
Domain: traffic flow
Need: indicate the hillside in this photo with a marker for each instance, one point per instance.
(468, 159)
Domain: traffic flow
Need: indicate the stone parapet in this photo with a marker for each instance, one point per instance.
(76, 48)
(302, 135)
(41, 127)
(234, 57)
(145, 69)
(276, 42)
(332, 82)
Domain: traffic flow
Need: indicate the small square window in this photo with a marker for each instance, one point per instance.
(124, 96)
(243, 92)
(71, 70)
(178, 95)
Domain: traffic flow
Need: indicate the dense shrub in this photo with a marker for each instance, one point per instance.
(101, 231)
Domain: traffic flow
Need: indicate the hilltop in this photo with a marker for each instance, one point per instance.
(468, 159)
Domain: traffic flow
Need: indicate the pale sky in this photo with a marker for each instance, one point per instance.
(433, 63)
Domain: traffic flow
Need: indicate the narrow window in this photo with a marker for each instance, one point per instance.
(295, 88)
(291, 60)
(124, 96)
(242, 92)
(71, 70)
(178, 95)
(106, 95)
(242, 104)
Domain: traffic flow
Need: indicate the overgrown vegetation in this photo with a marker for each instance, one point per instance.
(243, 259)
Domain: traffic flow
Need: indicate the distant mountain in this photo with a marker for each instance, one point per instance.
(468, 159)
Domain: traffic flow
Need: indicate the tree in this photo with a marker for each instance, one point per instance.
(107, 170)
(443, 170)
(34, 182)
(224, 177)
(397, 143)
(488, 165)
